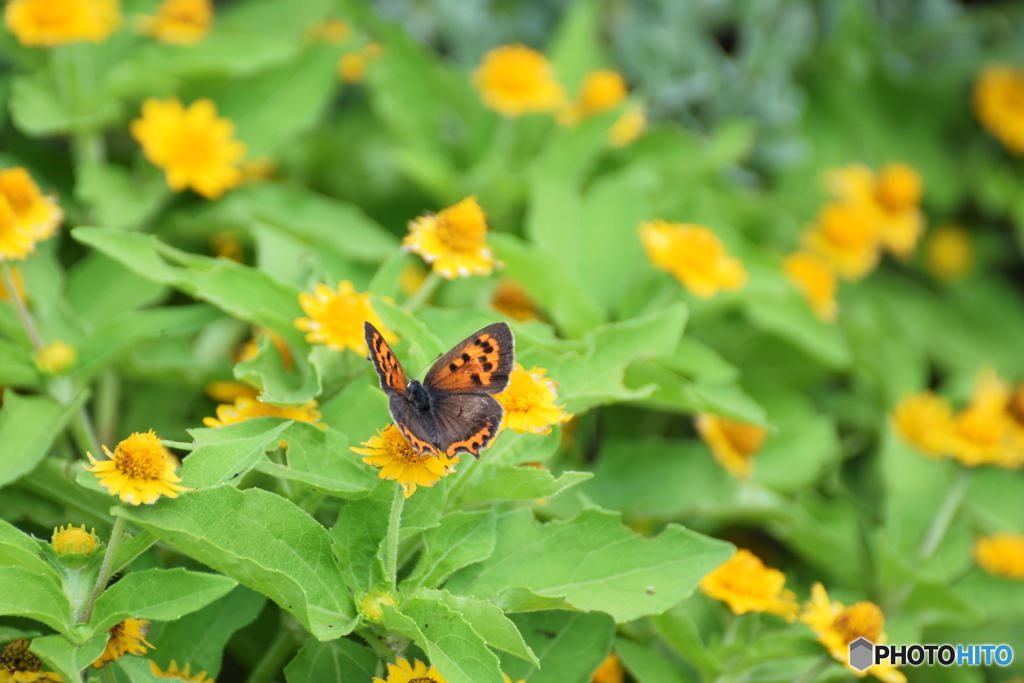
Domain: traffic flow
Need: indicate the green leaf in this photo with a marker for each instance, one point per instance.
(17, 366)
(497, 630)
(263, 541)
(118, 197)
(359, 534)
(38, 109)
(158, 594)
(646, 664)
(452, 645)
(36, 596)
(500, 482)
(28, 427)
(569, 645)
(223, 454)
(18, 549)
(278, 384)
(594, 563)
(677, 628)
(99, 288)
(340, 660)
(59, 654)
(462, 539)
(320, 458)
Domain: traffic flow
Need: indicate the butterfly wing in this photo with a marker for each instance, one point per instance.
(420, 430)
(392, 376)
(465, 422)
(480, 363)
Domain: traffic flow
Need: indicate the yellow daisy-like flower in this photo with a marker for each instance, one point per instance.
(192, 145)
(610, 670)
(27, 216)
(948, 253)
(352, 67)
(511, 299)
(815, 280)
(529, 402)
(733, 443)
(694, 255)
(601, 91)
(984, 432)
(19, 283)
(72, 539)
(836, 626)
(1001, 555)
(55, 358)
(18, 665)
(845, 235)
(46, 23)
(336, 318)
(454, 241)
(514, 80)
(629, 127)
(397, 461)
(176, 674)
(332, 31)
(140, 470)
(746, 585)
(246, 407)
(999, 104)
(890, 199)
(925, 421)
(126, 637)
(229, 392)
(404, 672)
(179, 22)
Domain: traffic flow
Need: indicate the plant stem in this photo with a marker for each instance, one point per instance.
(815, 670)
(105, 569)
(944, 517)
(391, 540)
(108, 397)
(273, 658)
(19, 306)
(84, 430)
(423, 293)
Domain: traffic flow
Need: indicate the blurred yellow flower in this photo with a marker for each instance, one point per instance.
(352, 67)
(126, 637)
(1001, 554)
(404, 672)
(949, 253)
(248, 350)
(336, 318)
(193, 147)
(999, 104)
(331, 31)
(73, 539)
(27, 216)
(55, 358)
(529, 402)
(511, 299)
(514, 80)
(601, 91)
(174, 673)
(845, 235)
(140, 470)
(372, 605)
(746, 585)
(453, 241)
(229, 392)
(610, 670)
(925, 421)
(629, 127)
(397, 461)
(46, 23)
(733, 443)
(985, 432)
(509, 680)
(179, 22)
(19, 283)
(891, 198)
(836, 626)
(18, 665)
(694, 255)
(245, 408)
(815, 280)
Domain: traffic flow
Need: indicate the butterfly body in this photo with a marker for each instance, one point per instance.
(451, 411)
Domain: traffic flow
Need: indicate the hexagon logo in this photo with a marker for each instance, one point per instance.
(862, 654)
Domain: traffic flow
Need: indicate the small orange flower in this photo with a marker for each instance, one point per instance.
(352, 67)
(511, 299)
(27, 216)
(746, 585)
(949, 253)
(245, 408)
(514, 80)
(601, 91)
(629, 127)
(694, 254)
(610, 670)
(1001, 555)
(176, 674)
(925, 421)
(846, 236)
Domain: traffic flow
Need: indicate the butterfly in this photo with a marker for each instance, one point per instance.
(452, 409)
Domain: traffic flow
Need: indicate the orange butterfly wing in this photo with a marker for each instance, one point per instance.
(480, 363)
(392, 376)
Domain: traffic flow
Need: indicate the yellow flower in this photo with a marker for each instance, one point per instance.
(514, 80)
(601, 91)
(246, 407)
(610, 670)
(746, 585)
(890, 200)
(529, 402)
(985, 432)
(352, 67)
(999, 104)
(18, 665)
(174, 673)
(27, 216)
(629, 126)
(249, 349)
(815, 279)
(227, 245)
(193, 147)
(399, 462)
(404, 672)
(140, 470)
(19, 284)
(1001, 555)
(925, 421)
(55, 358)
(372, 604)
(336, 318)
(72, 539)
(46, 23)
(512, 299)
(836, 626)
(229, 392)
(949, 253)
(733, 443)
(179, 22)
(331, 31)
(509, 680)
(126, 637)
(694, 255)
(453, 241)
(845, 235)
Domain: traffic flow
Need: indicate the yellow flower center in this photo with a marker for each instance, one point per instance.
(523, 393)
(898, 187)
(981, 427)
(19, 189)
(16, 658)
(73, 540)
(141, 456)
(462, 227)
(398, 447)
(862, 620)
(847, 226)
(745, 438)
(602, 90)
